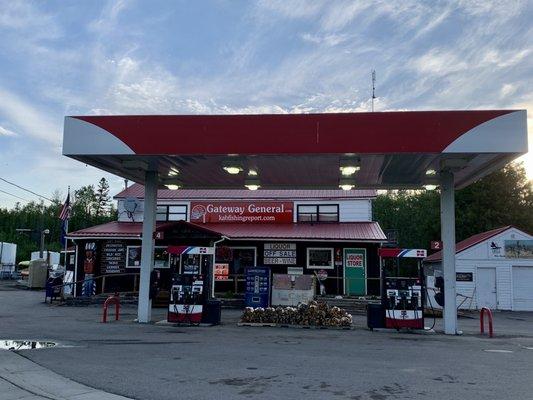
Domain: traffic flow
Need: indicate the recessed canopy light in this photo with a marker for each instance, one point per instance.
(252, 183)
(349, 165)
(232, 167)
(252, 172)
(173, 171)
(430, 187)
(349, 170)
(233, 170)
(346, 183)
(172, 186)
(431, 172)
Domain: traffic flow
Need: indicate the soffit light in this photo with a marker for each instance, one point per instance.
(346, 184)
(173, 171)
(252, 183)
(431, 183)
(349, 166)
(172, 184)
(232, 167)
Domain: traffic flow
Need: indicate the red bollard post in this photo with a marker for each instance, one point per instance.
(111, 299)
(482, 321)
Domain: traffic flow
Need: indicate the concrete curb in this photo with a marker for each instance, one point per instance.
(21, 378)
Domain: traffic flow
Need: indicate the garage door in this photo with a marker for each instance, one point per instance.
(523, 288)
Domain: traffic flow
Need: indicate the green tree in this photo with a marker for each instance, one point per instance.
(103, 200)
(503, 198)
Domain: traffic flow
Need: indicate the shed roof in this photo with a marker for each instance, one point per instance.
(469, 242)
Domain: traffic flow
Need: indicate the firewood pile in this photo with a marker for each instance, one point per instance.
(311, 314)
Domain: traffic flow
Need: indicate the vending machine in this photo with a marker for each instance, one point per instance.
(257, 287)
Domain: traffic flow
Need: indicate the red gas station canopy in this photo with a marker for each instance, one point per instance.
(394, 149)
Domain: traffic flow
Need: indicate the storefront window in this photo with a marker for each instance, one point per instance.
(320, 258)
(161, 257)
(238, 258)
(318, 213)
(171, 213)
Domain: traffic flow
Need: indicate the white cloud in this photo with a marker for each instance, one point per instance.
(507, 89)
(29, 118)
(6, 132)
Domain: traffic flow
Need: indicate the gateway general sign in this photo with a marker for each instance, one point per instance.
(241, 211)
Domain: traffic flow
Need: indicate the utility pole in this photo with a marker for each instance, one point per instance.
(373, 88)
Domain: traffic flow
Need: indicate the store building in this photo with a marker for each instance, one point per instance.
(494, 269)
(289, 231)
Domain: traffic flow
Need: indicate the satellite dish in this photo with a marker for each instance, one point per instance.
(131, 204)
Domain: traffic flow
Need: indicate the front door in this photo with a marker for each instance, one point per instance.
(355, 272)
(486, 288)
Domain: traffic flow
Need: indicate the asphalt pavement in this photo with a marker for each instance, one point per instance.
(151, 361)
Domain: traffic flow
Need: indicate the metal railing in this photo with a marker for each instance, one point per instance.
(103, 280)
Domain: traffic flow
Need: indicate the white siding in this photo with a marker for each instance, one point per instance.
(356, 210)
(504, 287)
(466, 288)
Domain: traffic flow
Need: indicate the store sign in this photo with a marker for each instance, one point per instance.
(221, 272)
(113, 257)
(464, 276)
(354, 259)
(241, 211)
(279, 254)
(295, 270)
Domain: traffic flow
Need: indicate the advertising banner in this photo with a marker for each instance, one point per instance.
(241, 211)
(511, 249)
(280, 254)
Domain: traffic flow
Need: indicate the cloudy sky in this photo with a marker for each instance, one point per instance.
(77, 57)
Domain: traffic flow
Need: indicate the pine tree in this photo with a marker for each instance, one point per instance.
(103, 199)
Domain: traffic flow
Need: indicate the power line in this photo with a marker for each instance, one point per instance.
(14, 195)
(27, 190)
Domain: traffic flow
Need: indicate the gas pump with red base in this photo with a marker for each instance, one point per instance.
(403, 298)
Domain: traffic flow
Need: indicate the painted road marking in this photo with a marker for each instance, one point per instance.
(498, 351)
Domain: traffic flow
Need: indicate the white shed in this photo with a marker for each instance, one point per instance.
(494, 269)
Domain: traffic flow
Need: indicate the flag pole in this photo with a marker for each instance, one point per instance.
(66, 230)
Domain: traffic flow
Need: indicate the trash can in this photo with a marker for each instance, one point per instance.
(375, 316)
(212, 312)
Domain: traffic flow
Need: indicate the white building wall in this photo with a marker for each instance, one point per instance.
(479, 256)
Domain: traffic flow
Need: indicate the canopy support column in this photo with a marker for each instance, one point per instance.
(447, 223)
(144, 312)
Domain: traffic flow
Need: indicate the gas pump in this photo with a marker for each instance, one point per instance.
(187, 299)
(403, 298)
(189, 287)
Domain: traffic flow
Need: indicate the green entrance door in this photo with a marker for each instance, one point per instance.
(355, 272)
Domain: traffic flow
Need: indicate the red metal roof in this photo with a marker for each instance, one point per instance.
(469, 242)
(356, 231)
(137, 190)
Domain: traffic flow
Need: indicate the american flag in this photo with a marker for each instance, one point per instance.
(65, 210)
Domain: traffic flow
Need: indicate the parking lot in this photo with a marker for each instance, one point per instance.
(160, 361)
